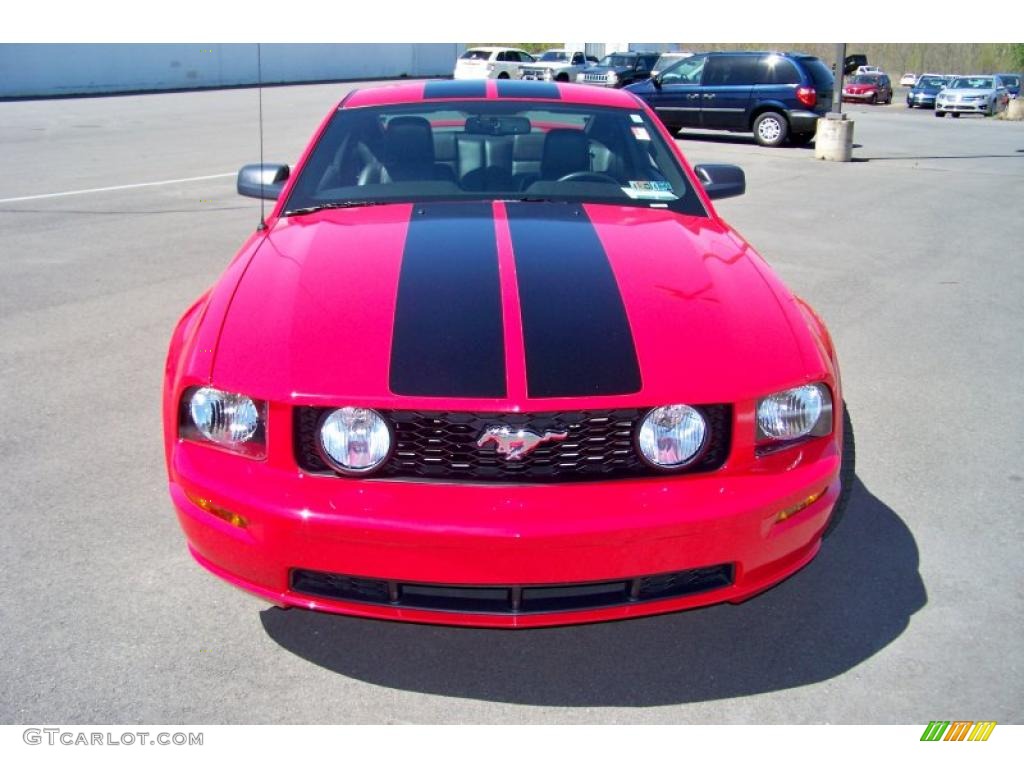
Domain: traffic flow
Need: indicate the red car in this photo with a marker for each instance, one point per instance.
(871, 88)
(495, 360)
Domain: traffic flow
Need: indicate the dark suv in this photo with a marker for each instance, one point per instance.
(618, 69)
(774, 95)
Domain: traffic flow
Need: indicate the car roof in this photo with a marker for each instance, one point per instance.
(492, 48)
(431, 91)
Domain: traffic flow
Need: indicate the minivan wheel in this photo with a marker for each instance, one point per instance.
(770, 129)
(503, 75)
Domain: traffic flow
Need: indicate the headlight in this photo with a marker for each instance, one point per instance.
(580, 77)
(612, 77)
(355, 440)
(230, 420)
(672, 436)
(798, 412)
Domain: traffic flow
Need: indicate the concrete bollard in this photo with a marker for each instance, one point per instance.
(1015, 109)
(834, 140)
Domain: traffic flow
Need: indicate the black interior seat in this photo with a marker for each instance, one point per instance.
(409, 152)
(565, 151)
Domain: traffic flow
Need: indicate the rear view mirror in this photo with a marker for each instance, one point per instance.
(721, 180)
(266, 180)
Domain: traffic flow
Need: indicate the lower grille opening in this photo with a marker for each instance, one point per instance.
(548, 598)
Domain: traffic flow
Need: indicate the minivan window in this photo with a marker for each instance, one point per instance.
(686, 72)
(731, 70)
(778, 70)
(821, 74)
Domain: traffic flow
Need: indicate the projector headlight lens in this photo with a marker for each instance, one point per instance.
(229, 419)
(795, 413)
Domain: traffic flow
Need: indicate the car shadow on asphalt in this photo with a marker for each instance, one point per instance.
(855, 598)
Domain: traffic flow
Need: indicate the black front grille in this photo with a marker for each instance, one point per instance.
(548, 598)
(443, 445)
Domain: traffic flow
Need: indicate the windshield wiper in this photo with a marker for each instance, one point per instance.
(329, 206)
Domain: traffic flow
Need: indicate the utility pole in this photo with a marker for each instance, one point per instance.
(837, 92)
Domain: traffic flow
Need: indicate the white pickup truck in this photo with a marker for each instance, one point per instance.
(559, 64)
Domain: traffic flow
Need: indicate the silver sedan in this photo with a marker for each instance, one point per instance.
(972, 94)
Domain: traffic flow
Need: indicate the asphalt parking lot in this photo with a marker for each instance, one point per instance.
(913, 610)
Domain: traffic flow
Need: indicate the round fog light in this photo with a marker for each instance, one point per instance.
(354, 440)
(672, 436)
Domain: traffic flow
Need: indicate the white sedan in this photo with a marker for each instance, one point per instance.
(909, 79)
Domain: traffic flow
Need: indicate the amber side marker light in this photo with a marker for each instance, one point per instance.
(224, 514)
(790, 511)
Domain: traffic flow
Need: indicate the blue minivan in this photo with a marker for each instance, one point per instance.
(775, 96)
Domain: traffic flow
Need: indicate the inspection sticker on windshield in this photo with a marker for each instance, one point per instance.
(641, 133)
(650, 190)
(637, 118)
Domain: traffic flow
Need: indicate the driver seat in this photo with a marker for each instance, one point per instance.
(565, 151)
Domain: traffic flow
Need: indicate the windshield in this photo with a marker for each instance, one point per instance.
(617, 60)
(492, 150)
(1010, 81)
(554, 56)
(972, 82)
(931, 82)
(863, 80)
(477, 55)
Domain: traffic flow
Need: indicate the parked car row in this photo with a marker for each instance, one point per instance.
(559, 64)
(776, 96)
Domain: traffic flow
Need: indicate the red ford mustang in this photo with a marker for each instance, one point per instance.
(495, 360)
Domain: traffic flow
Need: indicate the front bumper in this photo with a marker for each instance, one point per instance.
(869, 96)
(921, 101)
(969, 107)
(477, 534)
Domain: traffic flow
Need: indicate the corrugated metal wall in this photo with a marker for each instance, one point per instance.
(68, 69)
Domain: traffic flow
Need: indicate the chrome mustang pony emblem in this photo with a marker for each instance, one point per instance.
(515, 444)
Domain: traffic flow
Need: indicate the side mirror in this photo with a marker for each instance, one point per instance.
(721, 180)
(264, 181)
(656, 81)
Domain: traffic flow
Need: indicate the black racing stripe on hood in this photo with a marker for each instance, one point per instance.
(448, 336)
(455, 89)
(575, 329)
(527, 89)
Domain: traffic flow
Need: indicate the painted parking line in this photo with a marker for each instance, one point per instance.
(114, 189)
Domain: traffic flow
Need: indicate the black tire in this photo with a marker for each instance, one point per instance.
(562, 78)
(939, 113)
(770, 129)
(955, 114)
(847, 474)
(801, 139)
(873, 99)
(503, 75)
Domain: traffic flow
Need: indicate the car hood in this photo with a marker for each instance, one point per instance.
(968, 91)
(510, 306)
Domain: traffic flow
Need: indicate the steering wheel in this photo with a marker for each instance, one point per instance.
(602, 178)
